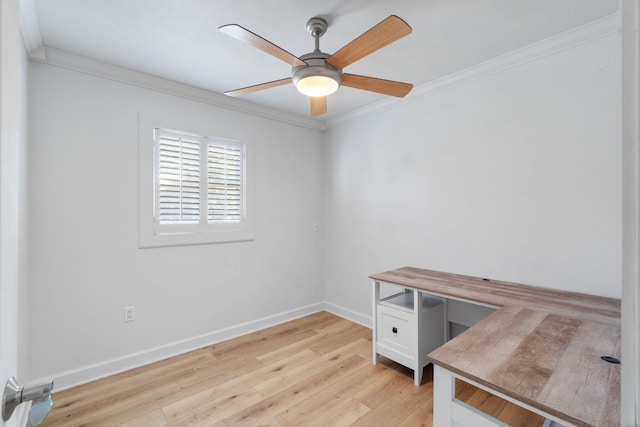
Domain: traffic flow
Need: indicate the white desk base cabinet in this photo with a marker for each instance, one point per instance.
(406, 327)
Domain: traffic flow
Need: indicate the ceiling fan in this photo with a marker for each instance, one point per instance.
(318, 74)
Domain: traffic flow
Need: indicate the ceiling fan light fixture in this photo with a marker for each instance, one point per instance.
(317, 86)
(317, 79)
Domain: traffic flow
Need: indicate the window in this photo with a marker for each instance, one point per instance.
(200, 190)
(199, 182)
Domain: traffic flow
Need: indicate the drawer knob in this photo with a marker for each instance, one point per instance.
(394, 330)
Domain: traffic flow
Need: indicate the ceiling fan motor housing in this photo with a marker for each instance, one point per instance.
(316, 66)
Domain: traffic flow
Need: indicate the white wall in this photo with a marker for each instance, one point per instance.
(85, 265)
(514, 176)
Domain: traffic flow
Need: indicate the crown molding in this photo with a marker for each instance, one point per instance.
(577, 36)
(63, 59)
(30, 26)
(44, 54)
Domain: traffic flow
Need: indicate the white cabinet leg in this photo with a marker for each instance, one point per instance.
(417, 338)
(444, 391)
(417, 376)
(447, 326)
(375, 288)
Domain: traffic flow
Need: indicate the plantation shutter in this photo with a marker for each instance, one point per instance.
(224, 182)
(178, 195)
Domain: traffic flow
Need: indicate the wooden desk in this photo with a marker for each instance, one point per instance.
(541, 350)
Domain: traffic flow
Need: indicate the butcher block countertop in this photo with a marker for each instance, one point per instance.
(542, 347)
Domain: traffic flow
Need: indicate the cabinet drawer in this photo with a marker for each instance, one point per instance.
(395, 330)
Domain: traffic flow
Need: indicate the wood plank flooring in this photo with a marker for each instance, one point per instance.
(313, 371)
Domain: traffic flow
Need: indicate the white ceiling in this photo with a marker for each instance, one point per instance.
(178, 39)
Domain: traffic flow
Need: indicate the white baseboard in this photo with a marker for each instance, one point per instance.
(85, 374)
(88, 373)
(351, 315)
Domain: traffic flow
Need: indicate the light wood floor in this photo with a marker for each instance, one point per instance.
(314, 371)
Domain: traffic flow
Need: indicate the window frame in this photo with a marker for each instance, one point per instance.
(150, 232)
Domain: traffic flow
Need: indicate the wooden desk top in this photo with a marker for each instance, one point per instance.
(542, 348)
(501, 294)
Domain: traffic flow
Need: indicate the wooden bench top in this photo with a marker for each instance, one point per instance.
(542, 348)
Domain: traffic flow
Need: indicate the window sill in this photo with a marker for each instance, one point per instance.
(193, 238)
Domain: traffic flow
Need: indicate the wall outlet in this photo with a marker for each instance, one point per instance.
(130, 313)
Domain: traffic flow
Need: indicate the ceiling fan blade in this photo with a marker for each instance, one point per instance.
(386, 87)
(255, 88)
(318, 105)
(244, 35)
(386, 32)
